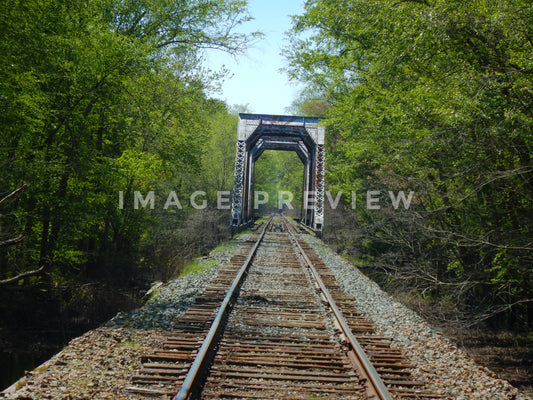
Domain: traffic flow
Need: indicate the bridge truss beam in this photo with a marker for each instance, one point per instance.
(259, 132)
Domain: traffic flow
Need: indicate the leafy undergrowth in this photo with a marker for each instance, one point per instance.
(194, 266)
(508, 354)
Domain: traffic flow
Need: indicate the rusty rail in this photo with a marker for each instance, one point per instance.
(209, 343)
(376, 388)
(292, 332)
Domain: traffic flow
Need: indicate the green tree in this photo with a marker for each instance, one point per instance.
(99, 97)
(434, 97)
(278, 171)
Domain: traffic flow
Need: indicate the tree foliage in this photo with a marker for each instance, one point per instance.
(101, 97)
(436, 97)
(276, 172)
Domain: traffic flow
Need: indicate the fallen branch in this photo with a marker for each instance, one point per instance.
(14, 193)
(496, 310)
(19, 238)
(11, 242)
(44, 268)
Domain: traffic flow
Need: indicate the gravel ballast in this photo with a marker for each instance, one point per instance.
(99, 364)
(437, 360)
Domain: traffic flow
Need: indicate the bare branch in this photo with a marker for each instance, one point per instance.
(11, 242)
(497, 310)
(466, 241)
(14, 193)
(423, 2)
(42, 270)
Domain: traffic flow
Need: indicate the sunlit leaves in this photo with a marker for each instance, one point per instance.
(435, 95)
(103, 96)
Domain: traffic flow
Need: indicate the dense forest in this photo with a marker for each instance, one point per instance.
(101, 103)
(434, 97)
(104, 102)
(99, 100)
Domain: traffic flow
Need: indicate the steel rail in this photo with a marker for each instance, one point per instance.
(193, 375)
(378, 386)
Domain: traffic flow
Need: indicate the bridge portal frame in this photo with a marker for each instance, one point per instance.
(259, 132)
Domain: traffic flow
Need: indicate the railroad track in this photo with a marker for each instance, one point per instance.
(276, 325)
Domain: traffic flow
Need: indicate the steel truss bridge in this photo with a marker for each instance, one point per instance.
(259, 132)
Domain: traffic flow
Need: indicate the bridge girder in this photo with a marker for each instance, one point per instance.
(259, 132)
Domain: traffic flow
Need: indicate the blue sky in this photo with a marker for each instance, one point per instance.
(257, 81)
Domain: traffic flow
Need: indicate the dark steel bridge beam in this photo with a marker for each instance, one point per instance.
(259, 132)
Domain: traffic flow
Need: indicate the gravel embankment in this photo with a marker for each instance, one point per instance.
(437, 360)
(168, 301)
(100, 363)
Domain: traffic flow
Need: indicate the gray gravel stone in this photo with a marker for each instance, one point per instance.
(78, 368)
(437, 360)
(170, 300)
